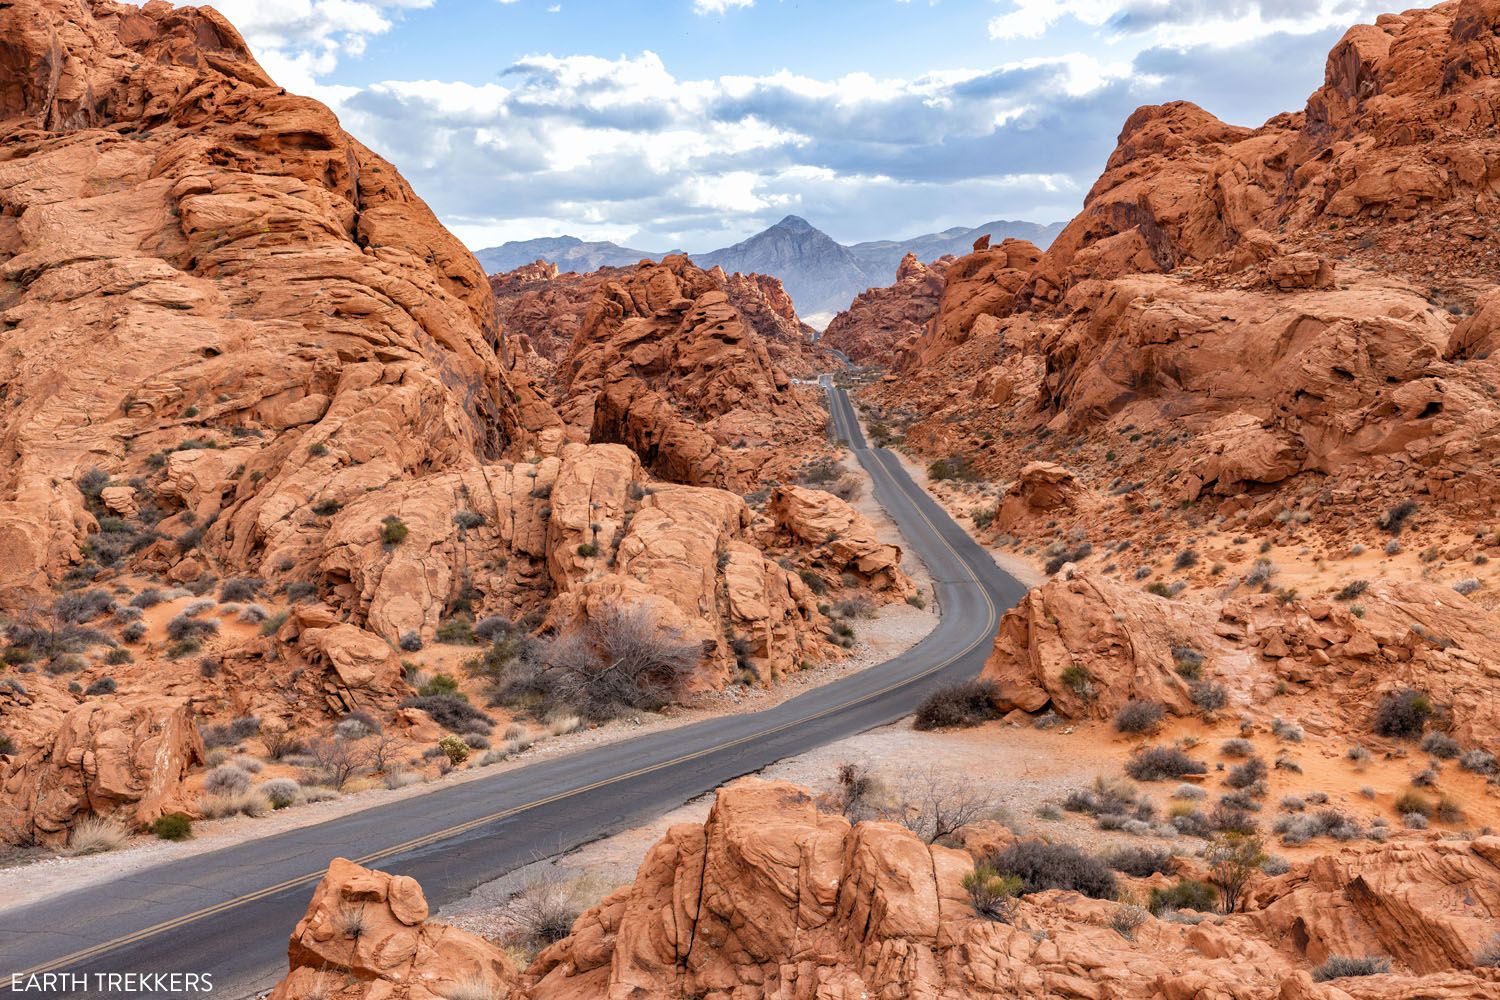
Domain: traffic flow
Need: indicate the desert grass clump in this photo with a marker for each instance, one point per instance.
(1342, 966)
(1403, 714)
(959, 705)
(1041, 866)
(1139, 717)
(992, 895)
(226, 778)
(247, 802)
(280, 792)
(1159, 763)
(96, 835)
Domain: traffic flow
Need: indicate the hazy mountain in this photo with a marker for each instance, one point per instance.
(879, 258)
(569, 253)
(822, 275)
(817, 272)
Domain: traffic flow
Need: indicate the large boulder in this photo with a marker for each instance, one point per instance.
(124, 758)
(366, 936)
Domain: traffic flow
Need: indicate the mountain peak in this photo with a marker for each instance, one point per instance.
(796, 223)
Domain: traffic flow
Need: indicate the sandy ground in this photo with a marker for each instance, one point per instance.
(894, 629)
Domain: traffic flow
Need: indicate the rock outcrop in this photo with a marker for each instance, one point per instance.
(668, 365)
(1084, 646)
(770, 897)
(366, 935)
(125, 760)
(883, 321)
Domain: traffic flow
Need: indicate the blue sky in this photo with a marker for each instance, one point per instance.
(694, 123)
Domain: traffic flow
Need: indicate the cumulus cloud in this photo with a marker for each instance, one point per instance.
(719, 6)
(300, 40)
(1182, 22)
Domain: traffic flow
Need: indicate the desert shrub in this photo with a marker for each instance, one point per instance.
(79, 606)
(226, 778)
(1209, 696)
(1394, 519)
(1110, 797)
(992, 895)
(184, 627)
(1189, 662)
(1440, 745)
(252, 614)
(240, 588)
(456, 631)
(393, 531)
(1352, 589)
(1233, 859)
(588, 550)
(273, 624)
(1340, 966)
(280, 792)
(411, 641)
(1284, 730)
(961, 704)
(1478, 761)
(96, 835)
(1467, 586)
(229, 733)
(468, 519)
(1160, 763)
(1487, 955)
(492, 628)
(456, 750)
(328, 506)
(1139, 717)
(1260, 573)
(954, 467)
(1186, 559)
(173, 826)
(1403, 714)
(438, 684)
(1229, 817)
(1079, 680)
(246, 802)
(281, 743)
(1246, 774)
(1410, 802)
(1041, 866)
(936, 805)
(1142, 861)
(104, 685)
(622, 660)
(813, 580)
(1237, 748)
(545, 909)
(452, 712)
(1185, 894)
(119, 655)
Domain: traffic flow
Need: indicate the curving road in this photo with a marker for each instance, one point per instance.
(229, 912)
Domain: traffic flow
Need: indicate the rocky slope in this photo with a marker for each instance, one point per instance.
(883, 322)
(262, 430)
(773, 897)
(1282, 331)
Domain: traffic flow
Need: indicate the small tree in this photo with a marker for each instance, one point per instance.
(339, 760)
(938, 805)
(1233, 860)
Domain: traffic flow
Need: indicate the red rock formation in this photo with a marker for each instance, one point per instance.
(100, 758)
(882, 321)
(770, 897)
(1125, 642)
(366, 934)
(666, 364)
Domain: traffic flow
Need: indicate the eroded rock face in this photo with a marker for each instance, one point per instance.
(294, 289)
(770, 897)
(667, 364)
(366, 935)
(882, 321)
(1084, 646)
(103, 758)
(844, 539)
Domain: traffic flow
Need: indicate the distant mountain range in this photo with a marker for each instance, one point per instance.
(822, 275)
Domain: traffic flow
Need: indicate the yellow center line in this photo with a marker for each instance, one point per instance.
(84, 954)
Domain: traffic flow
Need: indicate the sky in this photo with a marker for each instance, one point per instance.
(695, 123)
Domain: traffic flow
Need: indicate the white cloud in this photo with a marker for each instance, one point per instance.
(719, 6)
(300, 40)
(1182, 22)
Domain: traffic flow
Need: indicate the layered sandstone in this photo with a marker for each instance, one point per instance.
(770, 897)
(881, 322)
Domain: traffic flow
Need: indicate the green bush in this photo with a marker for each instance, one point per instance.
(173, 826)
(439, 684)
(456, 749)
(1187, 894)
(393, 531)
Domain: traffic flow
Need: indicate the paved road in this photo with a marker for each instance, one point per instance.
(229, 912)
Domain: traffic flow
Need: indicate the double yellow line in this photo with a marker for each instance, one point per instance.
(86, 954)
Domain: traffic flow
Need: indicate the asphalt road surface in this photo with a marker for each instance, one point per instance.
(229, 912)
